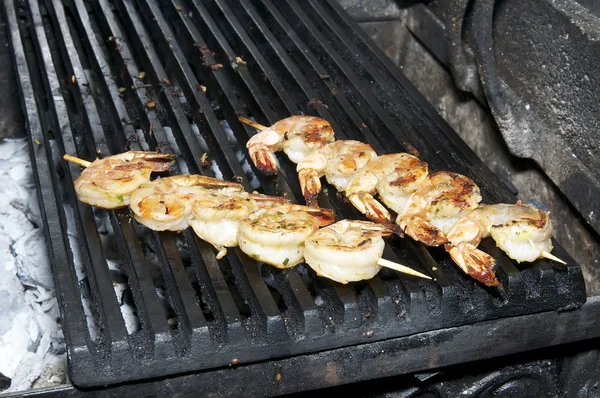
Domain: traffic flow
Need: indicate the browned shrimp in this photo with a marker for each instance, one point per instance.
(109, 182)
(523, 232)
(297, 136)
(395, 177)
(436, 206)
(167, 203)
(338, 162)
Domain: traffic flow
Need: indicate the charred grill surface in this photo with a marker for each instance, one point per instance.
(102, 77)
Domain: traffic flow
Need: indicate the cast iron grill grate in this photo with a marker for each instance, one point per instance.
(89, 75)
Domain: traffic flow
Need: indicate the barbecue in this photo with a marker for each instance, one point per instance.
(186, 83)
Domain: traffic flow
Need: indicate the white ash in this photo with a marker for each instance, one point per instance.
(117, 273)
(303, 271)
(142, 140)
(31, 341)
(176, 151)
(240, 155)
(214, 167)
(80, 271)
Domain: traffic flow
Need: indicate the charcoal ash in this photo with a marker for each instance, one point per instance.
(117, 271)
(240, 155)
(31, 341)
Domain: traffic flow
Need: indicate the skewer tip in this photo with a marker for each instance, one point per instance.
(552, 257)
(251, 123)
(73, 159)
(401, 268)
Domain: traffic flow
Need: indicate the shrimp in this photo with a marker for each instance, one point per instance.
(217, 215)
(436, 205)
(523, 232)
(276, 235)
(167, 203)
(395, 177)
(296, 135)
(346, 251)
(337, 161)
(109, 182)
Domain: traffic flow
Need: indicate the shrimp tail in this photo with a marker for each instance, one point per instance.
(265, 161)
(423, 231)
(265, 201)
(395, 228)
(310, 183)
(323, 216)
(475, 263)
(158, 162)
(371, 207)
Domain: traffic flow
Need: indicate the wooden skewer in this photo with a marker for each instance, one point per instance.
(400, 268)
(73, 159)
(252, 123)
(552, 257)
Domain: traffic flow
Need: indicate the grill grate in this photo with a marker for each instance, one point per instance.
(263, 59)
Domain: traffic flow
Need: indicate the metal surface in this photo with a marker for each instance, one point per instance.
(384, 363)
(262, 59)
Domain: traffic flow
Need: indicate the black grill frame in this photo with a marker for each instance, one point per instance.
(296, 54)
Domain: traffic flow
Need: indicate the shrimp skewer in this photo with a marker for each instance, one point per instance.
(350, 250)
(338, 162)
(523, 232)
(109, 182)
(215, 209)
(167, 203)
(276, 236)
(216, 216)
(436, 205)
(297, 136)
(395, 176)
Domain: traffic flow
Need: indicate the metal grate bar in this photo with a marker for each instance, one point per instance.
(345, 293)
(59, 122)
(212, 280)
(264, 308)
(321, 80)
(341, 25)
(262, 289)
(217, 80)
(143, 290)
(292, 55)
(307, 312)
(41, 155)
(189, 314)
(260, 300)
(97, 269)
(202, 112)
(115, 110)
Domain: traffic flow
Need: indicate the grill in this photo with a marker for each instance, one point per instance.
(102, 77)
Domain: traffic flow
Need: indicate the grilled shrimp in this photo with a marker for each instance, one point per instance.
(522, 231)
(167, 203)
(346, 251)
(276, 235)
(337, 161)
(109, 182)
(436, 206)
(296, 135)
(217, 215)
(395, 177)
